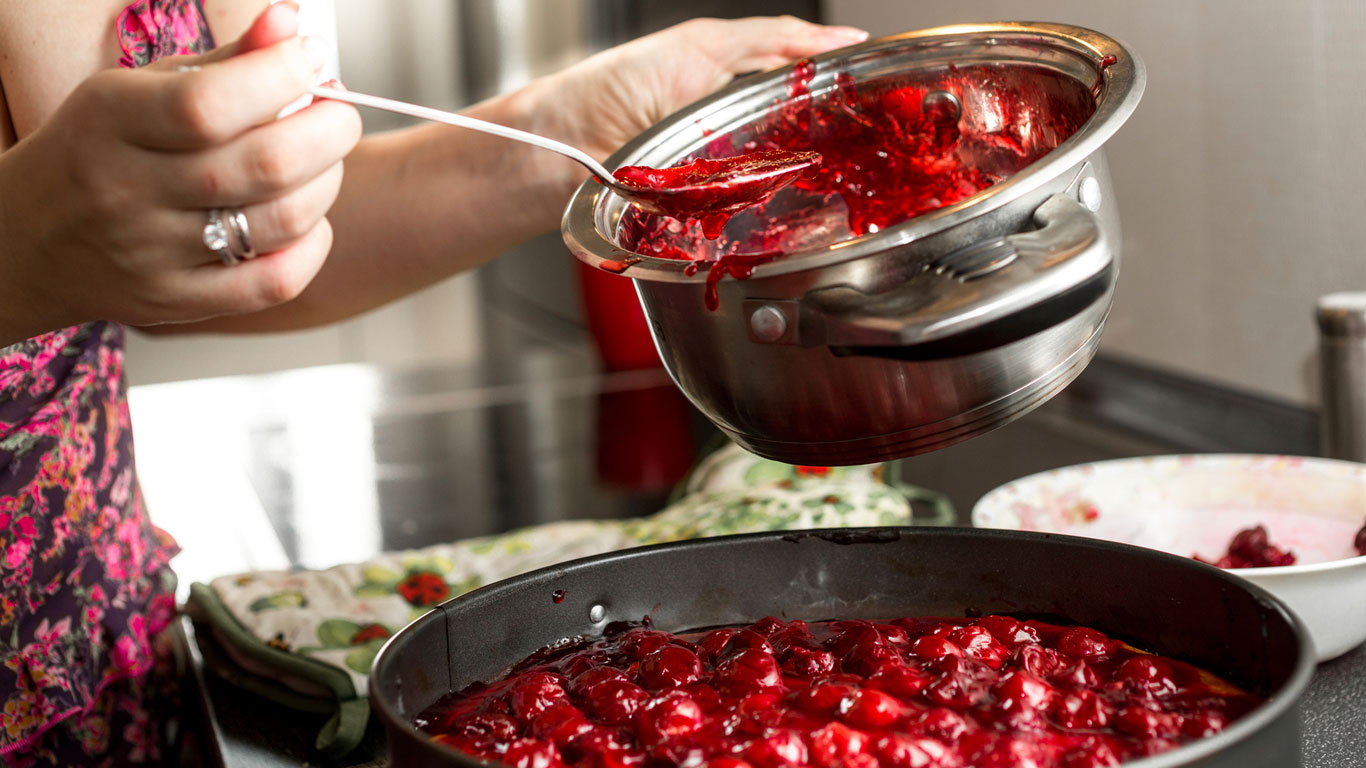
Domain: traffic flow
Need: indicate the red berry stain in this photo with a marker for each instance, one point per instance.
(932, 693)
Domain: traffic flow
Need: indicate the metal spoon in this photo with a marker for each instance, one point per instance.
(732, 184)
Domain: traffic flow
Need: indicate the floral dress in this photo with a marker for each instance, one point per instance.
(85, 586)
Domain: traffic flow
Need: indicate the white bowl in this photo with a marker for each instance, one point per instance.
(1190, 505)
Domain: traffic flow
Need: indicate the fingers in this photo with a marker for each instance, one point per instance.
(170, 110)
(278, 224)
(762, 42)
(260, 283)
(266, 162)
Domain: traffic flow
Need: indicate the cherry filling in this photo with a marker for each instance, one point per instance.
(711, 191)
(890, 149)
(906, 693)
(1251, 548)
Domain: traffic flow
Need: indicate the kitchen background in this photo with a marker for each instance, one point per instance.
(1238, 177)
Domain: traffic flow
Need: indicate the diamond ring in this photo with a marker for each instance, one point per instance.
(216, 237)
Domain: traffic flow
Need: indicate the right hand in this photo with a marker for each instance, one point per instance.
(103, 207)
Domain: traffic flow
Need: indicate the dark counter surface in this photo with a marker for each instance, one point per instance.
(315, 467)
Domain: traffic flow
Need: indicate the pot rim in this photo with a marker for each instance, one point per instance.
(1123, 83)
(1276, 705)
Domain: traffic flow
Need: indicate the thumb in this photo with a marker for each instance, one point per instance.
(279, 21)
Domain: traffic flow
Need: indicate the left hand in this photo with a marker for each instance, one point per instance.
(605, 100)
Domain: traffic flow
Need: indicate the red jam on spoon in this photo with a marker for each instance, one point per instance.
(904, 693)
(711, 191)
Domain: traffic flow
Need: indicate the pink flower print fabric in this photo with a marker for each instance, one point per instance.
(85, 584)
(151, 29)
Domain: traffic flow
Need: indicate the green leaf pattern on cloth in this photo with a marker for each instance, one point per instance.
(341, 616)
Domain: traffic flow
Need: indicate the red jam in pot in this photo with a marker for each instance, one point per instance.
(891, 149)
(711, 191)
(906, 693)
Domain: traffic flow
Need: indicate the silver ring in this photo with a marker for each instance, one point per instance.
(238, 221)
(215, 237)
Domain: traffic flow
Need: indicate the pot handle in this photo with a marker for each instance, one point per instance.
(976, 298)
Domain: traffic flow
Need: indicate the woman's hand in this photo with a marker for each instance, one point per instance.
(604, 101)
(102, 209)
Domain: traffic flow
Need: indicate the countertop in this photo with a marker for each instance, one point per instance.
(315, 467)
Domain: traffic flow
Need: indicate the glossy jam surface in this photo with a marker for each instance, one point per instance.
(1252, 548)
(994, 692)
(711, 191)
(891, 149)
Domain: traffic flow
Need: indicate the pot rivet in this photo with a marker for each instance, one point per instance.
(597, 613)
(768, 323)
(1089, 194)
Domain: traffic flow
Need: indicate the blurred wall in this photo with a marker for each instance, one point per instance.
(1239, 177)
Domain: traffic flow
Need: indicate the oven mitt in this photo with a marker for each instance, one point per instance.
(307, 639)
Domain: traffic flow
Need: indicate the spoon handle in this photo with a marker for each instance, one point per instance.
(451, 118)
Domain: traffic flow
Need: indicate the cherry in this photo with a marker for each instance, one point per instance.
(834, 743)
(901, 680)
(535, 694)
(531, 753)
(898, 750)
(943, 724)
(931, 647)
(561, 724)
(744, 640)
(485, 726)
(715, 641)
(1145, 673)
(824, 698)
(1097, 755)
(615, 702)
(1039, 661)
(1141, 722)
(1021, 690)
(726, 762)
(1086, 643)
(1011, 752)
(636, 643)
(1206, 722)
(669, 666)
(869, 708)
(746, 671)
(779, 749)
(584, 684)
(978, 643)
(1080, 711)
(807, 663)
(961, 682)
(668, 718)
(1360, 541)
(1012, 633)
(767, 626)
(1078, 675)
(706, 696)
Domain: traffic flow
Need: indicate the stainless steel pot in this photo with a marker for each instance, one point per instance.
(858, 349)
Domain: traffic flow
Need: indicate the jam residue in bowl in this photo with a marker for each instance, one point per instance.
(903, 693)
(1252, 548)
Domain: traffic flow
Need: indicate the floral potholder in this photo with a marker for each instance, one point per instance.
(308, 638)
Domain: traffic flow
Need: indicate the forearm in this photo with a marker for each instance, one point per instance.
(422, 204)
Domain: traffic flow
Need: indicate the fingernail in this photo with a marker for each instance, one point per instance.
(317, 51)
(286, 3)
(853, 34)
